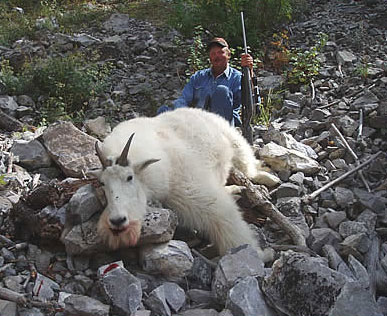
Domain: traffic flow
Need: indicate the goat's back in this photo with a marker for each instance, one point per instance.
(185, 140)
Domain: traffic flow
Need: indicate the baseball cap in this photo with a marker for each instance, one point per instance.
(217, 41)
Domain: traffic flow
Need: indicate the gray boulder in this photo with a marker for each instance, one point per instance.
(300, 285)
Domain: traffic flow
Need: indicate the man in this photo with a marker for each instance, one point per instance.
(218, 88)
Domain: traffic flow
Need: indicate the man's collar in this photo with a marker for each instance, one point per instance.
(226, 72)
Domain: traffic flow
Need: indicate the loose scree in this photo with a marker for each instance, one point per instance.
(181, 158)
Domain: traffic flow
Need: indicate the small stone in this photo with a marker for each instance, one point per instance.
(343, 197)
(44, 287)
(198, 312)
(82, 206)
(334, 218)
(237, 263)
(76, 305)
(165, 299)
(354, 300)
(245, 298)
(172, 259)
(355, 245)
(32, 154)
(158, 226)
(200, 297)
(121, 288)
(8, 308)
(351, 228)
(287, 190)
(345, 57)
(322, 236)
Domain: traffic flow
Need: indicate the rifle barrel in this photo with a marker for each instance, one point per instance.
(244, 32)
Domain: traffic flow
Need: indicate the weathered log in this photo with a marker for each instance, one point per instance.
(260, 199)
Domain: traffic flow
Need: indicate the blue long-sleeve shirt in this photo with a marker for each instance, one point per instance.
(202, 85)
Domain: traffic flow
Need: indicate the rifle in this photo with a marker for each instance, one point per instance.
(248, 107)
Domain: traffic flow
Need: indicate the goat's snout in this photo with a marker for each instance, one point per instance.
(117, 221)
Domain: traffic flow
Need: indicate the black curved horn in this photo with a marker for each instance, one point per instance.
(104, 161)
(123, 159)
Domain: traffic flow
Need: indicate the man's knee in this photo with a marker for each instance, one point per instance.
(163, 108)
(222, 92)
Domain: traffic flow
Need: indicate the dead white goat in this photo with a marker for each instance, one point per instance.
(181, 158)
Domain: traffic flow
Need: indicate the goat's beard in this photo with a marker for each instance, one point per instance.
(127, 238)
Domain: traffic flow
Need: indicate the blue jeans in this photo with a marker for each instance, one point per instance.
(221, 103)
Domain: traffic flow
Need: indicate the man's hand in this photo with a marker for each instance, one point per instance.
(247, 61)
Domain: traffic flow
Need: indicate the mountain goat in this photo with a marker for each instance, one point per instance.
(181, 158)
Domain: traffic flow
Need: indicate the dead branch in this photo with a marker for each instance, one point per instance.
(310, 197)
(294, 248)
(357, 161)
(340, 71)
(329, 104)
(260, 199)
(21, 299)
(360, 133)
(313, 90)
(351, 95)
(371, 261)
(10, 162)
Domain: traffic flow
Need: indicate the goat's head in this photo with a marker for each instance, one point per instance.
(120, 223)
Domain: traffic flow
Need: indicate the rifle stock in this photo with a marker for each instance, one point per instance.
(247, 105)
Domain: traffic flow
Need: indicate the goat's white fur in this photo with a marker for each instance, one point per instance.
(196, 150)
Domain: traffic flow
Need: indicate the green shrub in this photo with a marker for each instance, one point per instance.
(197, 54)
(13, 25)
(304, 64)
(363, 68)
(76, 17)
(222, 18)
(270, 102)
(13, 84)
(67, 84)
(71, 16)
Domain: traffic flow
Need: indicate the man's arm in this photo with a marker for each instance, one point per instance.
(186, 97)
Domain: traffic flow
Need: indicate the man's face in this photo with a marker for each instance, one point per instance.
(219, 56)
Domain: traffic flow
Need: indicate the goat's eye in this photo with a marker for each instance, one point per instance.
(101, 183)
(129, 178)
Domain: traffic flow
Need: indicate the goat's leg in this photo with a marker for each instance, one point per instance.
(214, 213)
(226, 228)
(244, 160)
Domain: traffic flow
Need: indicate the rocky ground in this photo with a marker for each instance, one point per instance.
(326, 221)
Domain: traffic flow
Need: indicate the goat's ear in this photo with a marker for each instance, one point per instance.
(93, 173)
(142, 165)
